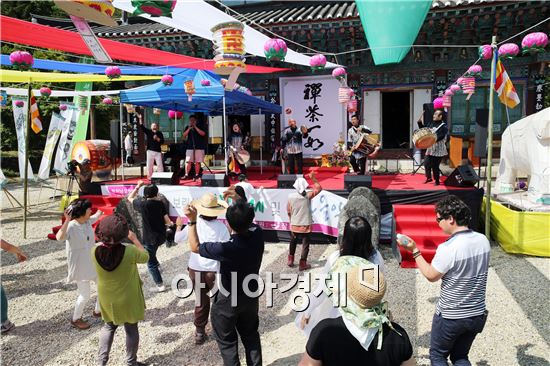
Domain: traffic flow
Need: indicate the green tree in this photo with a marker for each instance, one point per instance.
(23, 9)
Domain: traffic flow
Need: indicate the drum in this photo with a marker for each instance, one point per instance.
(424, 138)
(99, 154)
(243, 157)
(365, 145)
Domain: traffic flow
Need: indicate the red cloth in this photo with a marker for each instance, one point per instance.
(36, 35)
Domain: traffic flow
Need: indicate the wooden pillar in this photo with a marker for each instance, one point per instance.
(455, 151)
(92, 122)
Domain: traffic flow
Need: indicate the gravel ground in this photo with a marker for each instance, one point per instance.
(40, 304)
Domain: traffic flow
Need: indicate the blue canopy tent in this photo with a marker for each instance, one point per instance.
(213, 99)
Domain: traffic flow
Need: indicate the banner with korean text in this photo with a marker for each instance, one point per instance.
(20, 118)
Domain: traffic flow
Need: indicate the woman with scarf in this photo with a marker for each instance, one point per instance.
(363, 334)
(119, 286)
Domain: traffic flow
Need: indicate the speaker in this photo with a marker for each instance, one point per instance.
(462, 176)
(167, 178)
(352, 181)
(480, 139)
(286, 180)
(115, 140)
(215, 180)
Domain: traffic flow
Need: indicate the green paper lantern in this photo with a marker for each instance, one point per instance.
(155, 8)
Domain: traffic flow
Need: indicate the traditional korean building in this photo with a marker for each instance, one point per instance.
(390, 96)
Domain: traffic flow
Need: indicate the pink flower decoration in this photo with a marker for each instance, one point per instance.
(317, 62)
(486, 52)
(339, 73)
(45, 91)
(352, 106)
(449, 92)
(460, 80)
(21, 60)
(62, 107)
(19, 103)
(175, 114)
(167, 80)
(107, 101)
(508, 50)
(474, 70)
(534, 42)
(275, 49)
(438, 103)
(113, 72)
(205, 82)
(455, 88)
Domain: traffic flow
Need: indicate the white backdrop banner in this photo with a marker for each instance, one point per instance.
(270, 205)
(314, 104)
(67, 132)
(54, 131)
(20, 118)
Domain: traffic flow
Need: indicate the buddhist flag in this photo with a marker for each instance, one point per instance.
(36, 123)
(504, 87)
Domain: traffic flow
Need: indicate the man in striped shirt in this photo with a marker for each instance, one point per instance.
(462, 263)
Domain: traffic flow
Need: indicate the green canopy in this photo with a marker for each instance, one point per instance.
(391, 26)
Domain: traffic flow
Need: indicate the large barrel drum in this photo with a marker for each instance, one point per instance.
(98, 152)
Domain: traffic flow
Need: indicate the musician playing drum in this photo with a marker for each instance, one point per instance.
(436, 152)
(236, 143)
(292, 142)
(358, 159)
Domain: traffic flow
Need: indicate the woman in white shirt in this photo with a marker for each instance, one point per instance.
(79, 239)
(356, 241)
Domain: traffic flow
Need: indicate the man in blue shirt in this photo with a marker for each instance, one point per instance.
(233, 309)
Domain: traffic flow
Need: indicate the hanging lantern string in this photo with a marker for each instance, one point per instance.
(524, 31)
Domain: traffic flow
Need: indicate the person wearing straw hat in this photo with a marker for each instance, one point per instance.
(364, 333)
(299, 213)
(203, 270)
(234, 312)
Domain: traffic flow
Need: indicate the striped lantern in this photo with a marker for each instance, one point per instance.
(447, 101)
(343, 94)
(229, 47)
(469, 85)
(352, 106)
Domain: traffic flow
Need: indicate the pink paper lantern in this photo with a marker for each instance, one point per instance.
(447, 100)
(107, 101)
(113, 72)
(459, 81)
(485, 52)
(21, 60)
(317, 62)
(167, 80)
(469, 85)
(205, 82)
(448, 93)
(508, 50)
(455, 88)
(352, 106)
(275, 49)
(474, 70)
(45, 92)
(62, 107)
(19, 103)
(438, 103)
(339, 73)
(175, 114)
(343, 94)
(534, 42)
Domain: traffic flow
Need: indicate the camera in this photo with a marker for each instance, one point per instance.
(72, 166)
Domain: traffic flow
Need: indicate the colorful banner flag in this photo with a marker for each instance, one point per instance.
(64, 147)
(36, 123)
(54, 131)
(20, 118)
(3, 99)
(504, 87)
(83, 103)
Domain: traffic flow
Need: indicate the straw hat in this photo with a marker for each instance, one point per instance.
(209, 205)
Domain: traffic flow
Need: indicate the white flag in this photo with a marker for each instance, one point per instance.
(20, 118)
(54, 131)
(63, 153)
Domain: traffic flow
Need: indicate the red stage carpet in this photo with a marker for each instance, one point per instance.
(418, 222)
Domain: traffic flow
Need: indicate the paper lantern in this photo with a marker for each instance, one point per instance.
(455, 88)
(438, 103)
(229, 48)
(469, 85)
(534, 42)
(189, 88)
(317, 62)
(62, 107)
(175, 114)
(474, 70)
(275, 49)
(156, 111)
(19, 103)
(352, 106)
(343, 94)
(351, 93)
(449, 93)
(446, 102)
(486, 52)
(45, 92)
(21, 60)
(107, 101)
(97, 11)
(508, 50)
(130, 108)
(113, 72)
(167, 80)
(339, 74)
(154, 8)
(205, 82)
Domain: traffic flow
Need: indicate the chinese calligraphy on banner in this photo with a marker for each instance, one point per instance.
(314, 102)
(539, 92)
